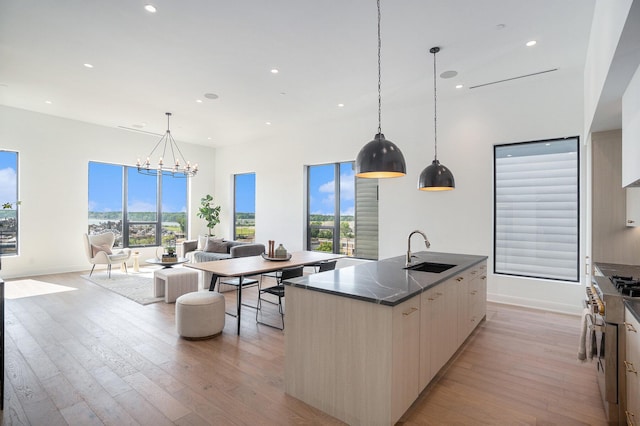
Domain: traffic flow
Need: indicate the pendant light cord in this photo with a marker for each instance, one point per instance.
(435, 105)
(379, 75)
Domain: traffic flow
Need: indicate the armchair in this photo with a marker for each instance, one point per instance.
(98, 249)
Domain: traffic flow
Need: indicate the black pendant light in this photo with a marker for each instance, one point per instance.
(380, 158)
(436, 177)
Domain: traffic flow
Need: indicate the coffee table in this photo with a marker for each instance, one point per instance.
(157, 261)
(255, 265)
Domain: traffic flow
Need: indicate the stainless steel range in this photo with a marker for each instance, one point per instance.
(612, 283)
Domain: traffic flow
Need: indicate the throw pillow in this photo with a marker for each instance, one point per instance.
(202, 241)
(216, 246)
(104, 247)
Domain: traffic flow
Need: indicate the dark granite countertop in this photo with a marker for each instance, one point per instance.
(609, 269)
(634, 307)
(386, 281)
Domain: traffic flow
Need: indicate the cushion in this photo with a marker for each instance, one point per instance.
(96, 249)
(202, 241)
(205, 256)
(216, 246)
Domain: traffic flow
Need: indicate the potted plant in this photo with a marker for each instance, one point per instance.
(209, 212)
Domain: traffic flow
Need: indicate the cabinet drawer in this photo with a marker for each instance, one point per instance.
(632, 368)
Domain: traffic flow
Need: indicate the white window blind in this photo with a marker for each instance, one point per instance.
(536, 209)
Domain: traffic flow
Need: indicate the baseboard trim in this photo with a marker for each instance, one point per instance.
(543, 305)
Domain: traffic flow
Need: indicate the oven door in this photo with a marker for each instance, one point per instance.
(607, 358)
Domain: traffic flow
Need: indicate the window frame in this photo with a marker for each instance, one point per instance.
(235, 206)
(335, 227)
(496, 210)
(124, 217)
(15, 203)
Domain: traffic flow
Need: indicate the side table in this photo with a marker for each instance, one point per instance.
(136, 263)
(174, 282)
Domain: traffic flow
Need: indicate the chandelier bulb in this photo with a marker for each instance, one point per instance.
(173, 166)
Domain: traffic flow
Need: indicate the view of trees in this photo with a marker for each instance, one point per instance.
(321, 233)
(246, 226)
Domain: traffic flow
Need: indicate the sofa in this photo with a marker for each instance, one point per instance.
(206, 249)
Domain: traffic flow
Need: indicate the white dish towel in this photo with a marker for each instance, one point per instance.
(587, 336)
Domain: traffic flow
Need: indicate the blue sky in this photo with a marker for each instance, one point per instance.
(105, 179)
(105, 183)
(322, 189)
(8, 176)
(246, 193)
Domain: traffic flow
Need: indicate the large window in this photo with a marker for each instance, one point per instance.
(342, 211)
(141, 210)
(244, 207)
(536, 209)
(9, 202)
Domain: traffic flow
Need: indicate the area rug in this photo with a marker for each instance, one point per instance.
(137, 286)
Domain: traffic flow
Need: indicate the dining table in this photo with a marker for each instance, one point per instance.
(240, 267)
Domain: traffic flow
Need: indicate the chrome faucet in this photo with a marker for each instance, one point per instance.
(426, 242)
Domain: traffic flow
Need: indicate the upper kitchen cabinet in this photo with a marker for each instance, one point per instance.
(631, 133)
(633, 206)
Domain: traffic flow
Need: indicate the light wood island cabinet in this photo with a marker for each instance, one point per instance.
(632, 367)
(472, 300)
(365, 361)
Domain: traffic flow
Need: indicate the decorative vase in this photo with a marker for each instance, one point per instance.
(281, 251)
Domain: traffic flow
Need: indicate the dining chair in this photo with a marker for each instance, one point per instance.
(327, 265)
(277, 290)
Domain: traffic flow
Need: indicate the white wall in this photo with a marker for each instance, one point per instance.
(53, 173)
(631, 130)
(609, 18)
(470, 122)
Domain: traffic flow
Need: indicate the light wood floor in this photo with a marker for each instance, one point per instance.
(89, 356)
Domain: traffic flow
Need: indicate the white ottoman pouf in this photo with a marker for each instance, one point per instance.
(200, 315)
(174, 282)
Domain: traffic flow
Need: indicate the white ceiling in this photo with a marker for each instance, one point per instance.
(147, 64)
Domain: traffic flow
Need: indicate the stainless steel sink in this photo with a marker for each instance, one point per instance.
(430, 267)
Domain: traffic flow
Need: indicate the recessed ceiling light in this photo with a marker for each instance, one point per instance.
(340, 105)
(449, 74)
(209, 138)
(459, 86)
(531, 43)
(211, 96)
(500, 27)
(88, 65)
(150, 8)
(48, 102)
(268, 123)
(199, 101)
(275, 71)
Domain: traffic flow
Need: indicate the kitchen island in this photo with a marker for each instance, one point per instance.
(362, 342)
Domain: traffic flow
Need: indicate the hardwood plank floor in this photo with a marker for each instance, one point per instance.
(88, 356)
